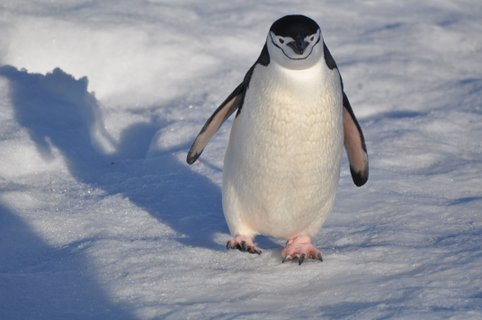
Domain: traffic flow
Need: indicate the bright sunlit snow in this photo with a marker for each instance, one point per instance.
(101, 218)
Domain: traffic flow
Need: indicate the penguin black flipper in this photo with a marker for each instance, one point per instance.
(354, 145)
(212, 125)
(232, 103)
(353, 135)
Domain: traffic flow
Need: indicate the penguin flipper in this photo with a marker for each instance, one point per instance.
(212, 125)
(354, 145)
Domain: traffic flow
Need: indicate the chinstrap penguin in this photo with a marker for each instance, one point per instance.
(282, 164)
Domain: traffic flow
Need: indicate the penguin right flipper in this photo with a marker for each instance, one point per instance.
(212, 125)
(354, 145)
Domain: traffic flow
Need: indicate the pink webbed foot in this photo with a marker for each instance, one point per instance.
(243, 243)
(300, 248)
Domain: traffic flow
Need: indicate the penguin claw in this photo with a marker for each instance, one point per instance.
(301, 258)
(243, 246)
(319, 257)
(254, 250)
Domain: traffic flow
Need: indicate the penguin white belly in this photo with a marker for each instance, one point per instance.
(282, 165)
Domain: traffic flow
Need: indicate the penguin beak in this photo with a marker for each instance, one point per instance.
(299, 45)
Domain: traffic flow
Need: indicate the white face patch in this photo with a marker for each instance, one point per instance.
(294, 54)
(288, 45)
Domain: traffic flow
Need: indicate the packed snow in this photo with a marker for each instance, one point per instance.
(101, 218)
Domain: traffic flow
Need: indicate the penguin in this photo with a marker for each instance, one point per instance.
(282, 164)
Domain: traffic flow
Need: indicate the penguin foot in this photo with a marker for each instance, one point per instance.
(300, 248)
(243, 243)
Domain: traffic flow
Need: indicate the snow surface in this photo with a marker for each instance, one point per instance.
(100, 217)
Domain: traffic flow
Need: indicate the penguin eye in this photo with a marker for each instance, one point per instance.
(281, 40)
(312, 38)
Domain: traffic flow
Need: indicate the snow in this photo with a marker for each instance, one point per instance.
(100, 217)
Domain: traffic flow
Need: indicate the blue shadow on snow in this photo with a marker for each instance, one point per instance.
(38, 281)
(58, 111)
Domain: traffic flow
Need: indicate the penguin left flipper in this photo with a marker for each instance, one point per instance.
(354, 145)
(212, 125)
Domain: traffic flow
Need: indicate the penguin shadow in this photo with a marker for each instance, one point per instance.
(43, 282)
(61, 115)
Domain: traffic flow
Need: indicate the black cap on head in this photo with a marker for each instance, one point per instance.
(294, 25)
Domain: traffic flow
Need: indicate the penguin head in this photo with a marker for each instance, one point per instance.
(295, 42)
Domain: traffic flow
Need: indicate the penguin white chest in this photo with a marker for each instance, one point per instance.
(282, 164)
